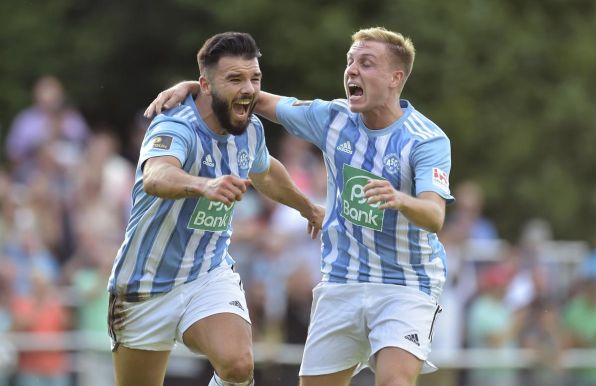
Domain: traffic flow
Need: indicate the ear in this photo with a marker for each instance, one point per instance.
(205, 85)
(397, 78)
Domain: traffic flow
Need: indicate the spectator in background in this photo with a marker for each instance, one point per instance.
(531, 281)
(103, 183)
(26, 251)
(7, 354)
(465, 221)
(42, 311)
(467, 236)
(50, 119)
(580, 320)
(541, 333)
(87, 273)
(299, 157)
(6, 208)
(135, 135)
(491, 324)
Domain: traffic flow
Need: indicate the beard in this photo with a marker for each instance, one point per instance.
(223, 112)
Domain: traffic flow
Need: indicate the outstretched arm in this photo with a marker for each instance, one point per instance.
(174, 95)
(163, 177)
(276, 184)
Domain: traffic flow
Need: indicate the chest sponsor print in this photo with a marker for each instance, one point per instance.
(211, 216)
(355, 207)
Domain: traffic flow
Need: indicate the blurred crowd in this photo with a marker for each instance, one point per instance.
(64, 202)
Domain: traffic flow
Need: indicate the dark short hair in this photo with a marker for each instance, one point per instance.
(226, 44)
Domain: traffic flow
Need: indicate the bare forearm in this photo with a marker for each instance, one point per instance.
(170, 182)
(426, 214)
(278, 186)
(266, 105)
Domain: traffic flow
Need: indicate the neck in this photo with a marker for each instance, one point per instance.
(382, 116)
(203, 103)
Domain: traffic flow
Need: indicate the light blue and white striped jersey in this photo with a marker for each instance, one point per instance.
(171, 242)
(362, 243)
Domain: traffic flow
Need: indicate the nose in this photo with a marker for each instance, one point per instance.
(247, 87)
(351, 69)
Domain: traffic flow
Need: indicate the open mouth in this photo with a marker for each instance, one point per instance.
(354, 90)
(241, 106)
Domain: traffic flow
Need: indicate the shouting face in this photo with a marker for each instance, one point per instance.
(370, 76)
(234, 87)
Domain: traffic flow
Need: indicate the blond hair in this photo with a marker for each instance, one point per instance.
(401, 47)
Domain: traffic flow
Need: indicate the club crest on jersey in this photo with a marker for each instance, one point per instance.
(243, 159)
(208, 161)
(440, 179)
(355, 207)
(391, 162)
(211, 216)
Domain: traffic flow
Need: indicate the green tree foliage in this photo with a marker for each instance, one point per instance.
(512, 82)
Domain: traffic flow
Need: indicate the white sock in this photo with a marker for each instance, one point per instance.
(217, 381)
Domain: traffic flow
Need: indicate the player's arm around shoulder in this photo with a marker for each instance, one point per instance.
(171, 97)
(275, 183)
(266, 106)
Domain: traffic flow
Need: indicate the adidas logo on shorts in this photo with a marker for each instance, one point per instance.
(346, 147)
(413, 338)
(237, 304)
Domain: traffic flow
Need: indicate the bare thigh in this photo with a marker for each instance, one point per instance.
(395, 366)
(226, 339)
(341, 378)
(139, 367)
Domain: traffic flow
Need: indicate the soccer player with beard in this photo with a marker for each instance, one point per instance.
(172, 280)
(388, 184)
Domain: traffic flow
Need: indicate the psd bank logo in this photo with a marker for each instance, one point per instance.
(355, 207)
(211, 216)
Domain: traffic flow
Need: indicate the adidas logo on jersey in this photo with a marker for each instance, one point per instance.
(208, 161)
(346, 147)
(413, 338)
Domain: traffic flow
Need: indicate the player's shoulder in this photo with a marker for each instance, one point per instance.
(255, 125)
(341, 106)
(422, 128)
(255, 121)
(182, 115)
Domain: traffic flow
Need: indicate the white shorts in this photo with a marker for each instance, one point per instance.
(157, 323)
(350, 323)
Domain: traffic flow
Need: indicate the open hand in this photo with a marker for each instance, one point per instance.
(315, 221)
(170, 98)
